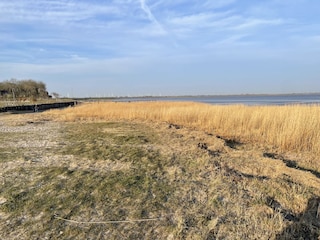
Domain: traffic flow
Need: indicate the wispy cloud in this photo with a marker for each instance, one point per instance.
(146, 9)
(255, 22)
(220, 27)
(232, 40)
(60, 11)
(200, 20)
(218, 3)
(151, 17)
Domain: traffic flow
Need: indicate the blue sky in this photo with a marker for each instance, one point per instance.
(162, 47)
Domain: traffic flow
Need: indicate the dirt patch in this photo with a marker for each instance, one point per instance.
(290, 163)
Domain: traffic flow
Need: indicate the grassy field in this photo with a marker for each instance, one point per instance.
(292, 128)
(151, 171)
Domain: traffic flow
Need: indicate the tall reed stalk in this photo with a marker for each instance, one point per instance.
(290, 127)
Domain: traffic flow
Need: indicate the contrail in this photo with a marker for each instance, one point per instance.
(151, 17)
(147, 10)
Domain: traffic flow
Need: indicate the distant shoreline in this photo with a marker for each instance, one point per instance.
(246, 99)
(201, 96)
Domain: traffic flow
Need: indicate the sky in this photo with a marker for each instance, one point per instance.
(108, 48)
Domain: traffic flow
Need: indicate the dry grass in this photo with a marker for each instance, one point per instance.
(91, 172)
(292, 128)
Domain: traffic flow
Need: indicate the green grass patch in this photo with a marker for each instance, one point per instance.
(10, 154)
(108, 141)
(34, 196)
(8, 144)
(80, 195)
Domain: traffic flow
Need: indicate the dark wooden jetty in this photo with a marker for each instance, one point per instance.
(37, 107)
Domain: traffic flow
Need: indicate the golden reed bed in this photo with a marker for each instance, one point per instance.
(288, 128)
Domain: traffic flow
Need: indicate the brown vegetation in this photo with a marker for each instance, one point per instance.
(153, 171)
(292, 128)
(22, 90)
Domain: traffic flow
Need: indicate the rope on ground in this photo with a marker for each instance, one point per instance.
(107, 222)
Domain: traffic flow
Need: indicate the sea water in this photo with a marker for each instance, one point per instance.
(284, 99)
